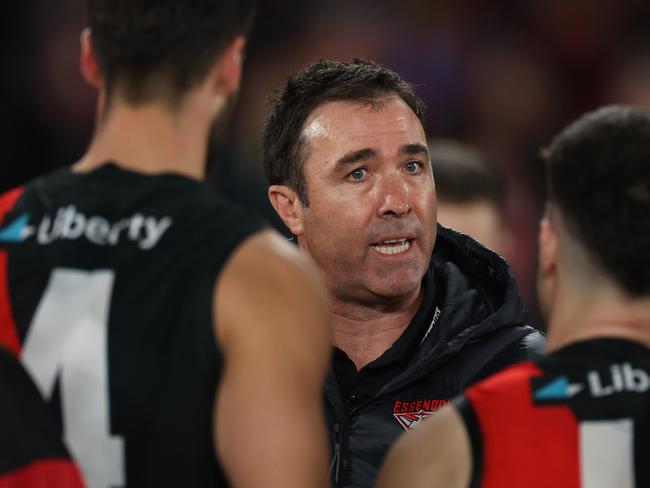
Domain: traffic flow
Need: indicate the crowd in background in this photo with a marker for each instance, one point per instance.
(503, 75)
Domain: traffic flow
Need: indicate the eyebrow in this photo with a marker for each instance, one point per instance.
(355, 157)
(416, 148)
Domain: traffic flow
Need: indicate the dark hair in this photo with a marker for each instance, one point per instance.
(323, 81)
(149, 49)
(464, 175)
(598, 172)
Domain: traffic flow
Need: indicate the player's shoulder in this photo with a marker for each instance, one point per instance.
(267, 279)
(266, 260)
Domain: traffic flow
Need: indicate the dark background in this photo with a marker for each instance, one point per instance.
(503, 75)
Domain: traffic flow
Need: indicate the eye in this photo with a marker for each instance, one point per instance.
(357, 174)
(413, 166)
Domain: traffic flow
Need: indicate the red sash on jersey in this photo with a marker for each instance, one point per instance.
(519, 439)
(51, 473)
(8, 330)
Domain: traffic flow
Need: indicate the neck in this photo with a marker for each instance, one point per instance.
(365, 332)
(605, 313)
(150, 139)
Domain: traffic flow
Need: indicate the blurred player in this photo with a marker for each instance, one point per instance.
(168, 326)
(581, 416)
(470, 193)
(31, 451)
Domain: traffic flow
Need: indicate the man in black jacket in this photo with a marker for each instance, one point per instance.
(419, 311)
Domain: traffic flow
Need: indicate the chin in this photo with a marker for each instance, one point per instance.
(396, 288)
(398, 281)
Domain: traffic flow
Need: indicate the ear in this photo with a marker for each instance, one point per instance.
(88, 61)
(228, 70)
(547, 272)
(288, 206)
(548, 254)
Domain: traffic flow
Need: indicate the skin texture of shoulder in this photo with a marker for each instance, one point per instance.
(271, 322)
(421, 459)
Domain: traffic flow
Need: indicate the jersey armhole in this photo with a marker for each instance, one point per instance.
(466, 411)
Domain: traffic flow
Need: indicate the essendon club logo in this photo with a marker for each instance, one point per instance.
(412, 414)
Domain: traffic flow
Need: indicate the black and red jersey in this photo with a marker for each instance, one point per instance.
(577, 418)
(32, 453)
(106, 294)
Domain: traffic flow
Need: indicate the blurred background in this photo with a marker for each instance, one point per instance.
(503, 75)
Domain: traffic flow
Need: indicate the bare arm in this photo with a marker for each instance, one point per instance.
(437, 454)
(272, 325)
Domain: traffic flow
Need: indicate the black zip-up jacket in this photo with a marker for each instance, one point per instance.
(479, 328)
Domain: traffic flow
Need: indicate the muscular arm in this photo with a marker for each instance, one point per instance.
(272, 325)
(436, 454)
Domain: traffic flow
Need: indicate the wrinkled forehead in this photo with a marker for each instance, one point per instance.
(377, 123)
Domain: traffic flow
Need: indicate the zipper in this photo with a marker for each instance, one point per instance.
(335, 467)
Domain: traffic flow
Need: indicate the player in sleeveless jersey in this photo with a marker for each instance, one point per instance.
(580, 417)
(179, 341)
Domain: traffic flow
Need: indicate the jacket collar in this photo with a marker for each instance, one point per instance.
(476, 293)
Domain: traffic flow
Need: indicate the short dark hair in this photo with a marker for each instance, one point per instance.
(464, 175)
(151, 49)
(359, 80)
(598, 172)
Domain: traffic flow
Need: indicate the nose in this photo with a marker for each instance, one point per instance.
(394, 197)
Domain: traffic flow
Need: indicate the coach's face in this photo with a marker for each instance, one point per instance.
(370, 223)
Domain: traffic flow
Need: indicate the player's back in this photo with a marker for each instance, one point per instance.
(577, 418)
(108, 280)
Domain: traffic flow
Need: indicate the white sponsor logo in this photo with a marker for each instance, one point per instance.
(436, 316)
(71, 224)
(622, 377)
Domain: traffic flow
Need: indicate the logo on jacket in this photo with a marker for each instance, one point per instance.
(411, 414)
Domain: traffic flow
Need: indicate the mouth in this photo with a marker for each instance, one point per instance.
(392, 247)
